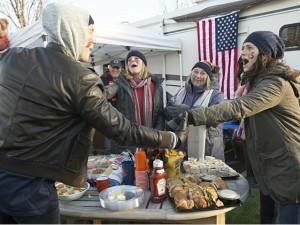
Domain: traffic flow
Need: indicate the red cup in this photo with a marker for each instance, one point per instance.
(102, 183)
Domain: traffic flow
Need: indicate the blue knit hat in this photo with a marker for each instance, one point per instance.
(268, 43)
(138, 54)
(203, 66)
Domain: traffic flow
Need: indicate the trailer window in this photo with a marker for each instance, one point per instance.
(290, 34)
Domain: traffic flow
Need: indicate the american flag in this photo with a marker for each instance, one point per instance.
(217, 43)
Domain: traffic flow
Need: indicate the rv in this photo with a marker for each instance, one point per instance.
(279, 16)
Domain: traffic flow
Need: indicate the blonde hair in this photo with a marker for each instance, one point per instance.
(142, 75)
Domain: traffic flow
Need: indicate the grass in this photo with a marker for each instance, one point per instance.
(248, 213)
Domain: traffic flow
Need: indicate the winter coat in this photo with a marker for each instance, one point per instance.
(49, 105)
(125, 104)
(271, 114)
(214, 145)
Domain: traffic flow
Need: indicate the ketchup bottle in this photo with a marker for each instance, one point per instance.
(158, 182)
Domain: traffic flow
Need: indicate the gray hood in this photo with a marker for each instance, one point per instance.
(67, 26)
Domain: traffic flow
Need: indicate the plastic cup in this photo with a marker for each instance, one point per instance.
(102, 183)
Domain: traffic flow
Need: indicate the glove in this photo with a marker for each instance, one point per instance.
(173, 111)
(179, 126)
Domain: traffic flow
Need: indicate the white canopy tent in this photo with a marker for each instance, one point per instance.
(112, 41)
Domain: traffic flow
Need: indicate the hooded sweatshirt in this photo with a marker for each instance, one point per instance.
(40, 193)
(58, 22)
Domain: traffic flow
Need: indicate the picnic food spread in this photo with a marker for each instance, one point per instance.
(191, 185)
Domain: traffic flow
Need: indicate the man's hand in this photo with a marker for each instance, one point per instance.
(174, 111)
(179, 126)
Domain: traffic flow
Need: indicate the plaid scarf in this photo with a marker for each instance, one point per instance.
(148, 102)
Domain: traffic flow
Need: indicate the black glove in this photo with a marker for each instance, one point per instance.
(179, 126)
(173, 111)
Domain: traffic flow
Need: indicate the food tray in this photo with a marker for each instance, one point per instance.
(236, 203)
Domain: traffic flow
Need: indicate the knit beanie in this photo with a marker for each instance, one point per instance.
(203, 66)
(268, 43)
(138, 54)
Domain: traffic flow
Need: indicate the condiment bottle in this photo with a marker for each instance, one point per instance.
(158, 182)
(173, 163)
(141, 170)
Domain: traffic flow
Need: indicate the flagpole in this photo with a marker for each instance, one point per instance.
(180, 68)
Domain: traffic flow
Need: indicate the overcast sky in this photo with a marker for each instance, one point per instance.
(128, 10)
(125, 11)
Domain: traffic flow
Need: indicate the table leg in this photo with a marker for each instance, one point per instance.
(97, 221)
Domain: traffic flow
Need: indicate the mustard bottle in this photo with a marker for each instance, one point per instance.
(173, 163)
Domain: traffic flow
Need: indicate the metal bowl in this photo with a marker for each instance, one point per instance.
(121, 197)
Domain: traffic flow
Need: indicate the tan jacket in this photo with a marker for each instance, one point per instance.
(272, 126)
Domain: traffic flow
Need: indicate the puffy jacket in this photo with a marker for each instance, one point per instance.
(48, 106)
(272, 127)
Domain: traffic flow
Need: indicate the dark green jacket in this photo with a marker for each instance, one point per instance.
(272, 127)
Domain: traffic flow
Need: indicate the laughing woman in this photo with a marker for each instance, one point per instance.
(140, 95)
(201, 90)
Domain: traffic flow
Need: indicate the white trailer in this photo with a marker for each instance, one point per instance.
(280, 16)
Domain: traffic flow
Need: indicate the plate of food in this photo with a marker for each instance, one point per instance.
(69, 193)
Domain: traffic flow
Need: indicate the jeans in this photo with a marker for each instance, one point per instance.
(267, 209)
(289, 214)
(52, 217)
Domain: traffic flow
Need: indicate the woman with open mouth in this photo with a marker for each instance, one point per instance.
(271, 114)
(140, 95)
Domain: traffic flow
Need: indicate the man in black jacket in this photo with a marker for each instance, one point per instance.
(49, 104)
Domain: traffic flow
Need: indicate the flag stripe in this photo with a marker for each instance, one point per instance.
(204, 39)
(198, 40)
(228, 72)
(235, 68)
(210, 41)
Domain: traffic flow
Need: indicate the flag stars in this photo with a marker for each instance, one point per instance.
(226, 28)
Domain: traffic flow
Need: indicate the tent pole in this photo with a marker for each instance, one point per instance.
(164, 86)
(180, 69)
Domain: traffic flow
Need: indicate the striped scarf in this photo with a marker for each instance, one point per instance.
(148, 102)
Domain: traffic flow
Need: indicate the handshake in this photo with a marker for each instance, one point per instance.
(179, 126)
